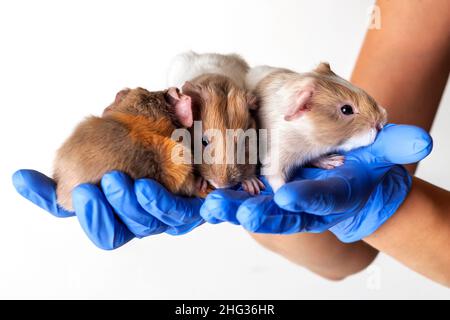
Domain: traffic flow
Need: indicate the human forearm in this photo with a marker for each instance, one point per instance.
(322, 254)
(418, 234)
(405, 64)
(405, 67)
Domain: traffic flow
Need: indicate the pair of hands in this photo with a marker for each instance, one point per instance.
(351, 201)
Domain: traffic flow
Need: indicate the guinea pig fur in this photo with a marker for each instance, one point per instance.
(221, 102)
(309, 117)
(134, 136)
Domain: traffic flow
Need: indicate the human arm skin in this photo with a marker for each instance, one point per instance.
(418, 234)
(322, 253)
(411, 54)
(405, 67)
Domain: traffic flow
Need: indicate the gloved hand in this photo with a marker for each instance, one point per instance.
(351, 201)
(119, 211)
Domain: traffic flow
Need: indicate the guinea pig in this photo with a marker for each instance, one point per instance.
(216, 84)
(309, 118)
(134, 136)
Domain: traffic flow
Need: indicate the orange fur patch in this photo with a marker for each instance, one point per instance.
(155, 134)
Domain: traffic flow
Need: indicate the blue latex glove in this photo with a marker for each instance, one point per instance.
(351, 201)
(119, 211)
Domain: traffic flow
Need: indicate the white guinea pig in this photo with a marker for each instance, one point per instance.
(310, 117)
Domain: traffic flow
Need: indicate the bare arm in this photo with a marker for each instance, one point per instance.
(418, 234)
(322, 254)
(405, 66)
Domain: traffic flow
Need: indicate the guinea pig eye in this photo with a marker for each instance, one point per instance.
(205, 141)
(347, 110)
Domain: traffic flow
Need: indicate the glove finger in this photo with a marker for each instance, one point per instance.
(302, 173)
(184, 229)
(97, 218)
(402, 144)
(222, 205)
(262, 215)
(212, 220)
(173, 210)
(39, 189)
(119, 191)
(333, 194)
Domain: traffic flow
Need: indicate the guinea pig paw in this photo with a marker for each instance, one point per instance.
(202, 187)
(329, 162)
(253, 186)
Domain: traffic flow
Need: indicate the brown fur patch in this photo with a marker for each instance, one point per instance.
(133, 136)
(144, 128)
(155, 134)
(333, 127)
(220, 104)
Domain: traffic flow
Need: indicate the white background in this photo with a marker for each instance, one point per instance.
(63, 60)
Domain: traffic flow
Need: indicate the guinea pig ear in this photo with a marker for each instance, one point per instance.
(325, 69)
(182, 107)
(119, 97)
(252, 101)
(183, 111)
(300, 105)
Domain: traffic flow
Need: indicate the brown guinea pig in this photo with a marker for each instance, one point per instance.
(133, 136)
(216, 83)
(222, 106)
(309, 117)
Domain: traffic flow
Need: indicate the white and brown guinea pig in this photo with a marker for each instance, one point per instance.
(216, 84)
(310, 117)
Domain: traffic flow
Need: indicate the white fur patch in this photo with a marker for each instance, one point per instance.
(361, 140)
(256, 75)
(189, 65)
